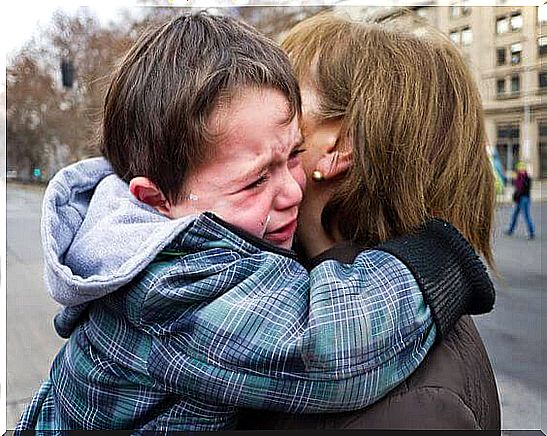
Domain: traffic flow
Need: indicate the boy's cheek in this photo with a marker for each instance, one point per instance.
(253, 222)
(300, 176)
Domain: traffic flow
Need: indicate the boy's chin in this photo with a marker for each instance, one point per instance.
(287, 245)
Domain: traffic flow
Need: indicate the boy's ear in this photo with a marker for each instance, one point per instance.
(334, 163)
(146, 191)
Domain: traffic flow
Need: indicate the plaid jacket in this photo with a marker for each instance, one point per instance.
(215, 323)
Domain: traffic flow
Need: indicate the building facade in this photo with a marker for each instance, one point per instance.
(506, 49)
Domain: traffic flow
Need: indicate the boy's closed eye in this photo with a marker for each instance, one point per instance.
(297, 151)
(261, 180)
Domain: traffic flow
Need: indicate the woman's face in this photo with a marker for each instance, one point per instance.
(255, 180)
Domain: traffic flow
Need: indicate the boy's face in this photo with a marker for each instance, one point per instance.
(255, 179)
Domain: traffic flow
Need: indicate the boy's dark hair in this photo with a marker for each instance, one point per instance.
(163, 92)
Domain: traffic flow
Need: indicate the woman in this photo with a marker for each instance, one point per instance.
(393, 127)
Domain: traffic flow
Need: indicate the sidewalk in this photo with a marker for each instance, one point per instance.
(538, 192)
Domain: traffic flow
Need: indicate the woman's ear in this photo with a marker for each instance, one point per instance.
(146, 191)
(334, 163)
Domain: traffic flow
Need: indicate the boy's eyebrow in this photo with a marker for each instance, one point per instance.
(256, 171)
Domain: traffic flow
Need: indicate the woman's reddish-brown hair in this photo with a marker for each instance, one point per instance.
(413, 114)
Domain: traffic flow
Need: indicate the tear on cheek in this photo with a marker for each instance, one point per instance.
(264, 225)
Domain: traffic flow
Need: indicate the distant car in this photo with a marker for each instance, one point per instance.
(11, 174)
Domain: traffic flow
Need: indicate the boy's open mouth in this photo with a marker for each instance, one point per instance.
(281, 234)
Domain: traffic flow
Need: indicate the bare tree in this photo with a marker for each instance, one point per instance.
(31, 95)
(48, 124)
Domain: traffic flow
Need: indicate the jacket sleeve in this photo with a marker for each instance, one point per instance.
(187, 413)
(335, 341)
(451, 276)
(453, 279)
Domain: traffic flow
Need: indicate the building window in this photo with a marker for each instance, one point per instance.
(509, 23)
(500, 87)
(542, 80)
(515, 84)
(507, 144)
(458, 11)
(542, 14)
(502, 25)
(422, 12)
(462, 36)
(516, 53)
(542, 45)
(467, 36)
(466, 10)
(516, 21)
(500, 56)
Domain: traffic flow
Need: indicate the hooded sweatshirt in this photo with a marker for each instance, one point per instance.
(96, 235)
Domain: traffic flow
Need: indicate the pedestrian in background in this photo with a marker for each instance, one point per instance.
(521, 197)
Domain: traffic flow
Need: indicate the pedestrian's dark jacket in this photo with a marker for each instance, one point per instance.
(453, 388)
(523, 183)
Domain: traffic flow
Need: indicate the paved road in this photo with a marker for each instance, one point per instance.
(31, 340)
(512, 332)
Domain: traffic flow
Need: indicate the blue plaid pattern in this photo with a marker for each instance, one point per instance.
(226, 325)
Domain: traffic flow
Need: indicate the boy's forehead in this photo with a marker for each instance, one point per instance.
(253, 118)
(260, 139)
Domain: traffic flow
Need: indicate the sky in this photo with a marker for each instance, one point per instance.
(22, 18)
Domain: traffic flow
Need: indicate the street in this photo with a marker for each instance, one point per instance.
(513, 332)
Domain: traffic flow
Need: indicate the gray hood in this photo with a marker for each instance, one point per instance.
(96, 236)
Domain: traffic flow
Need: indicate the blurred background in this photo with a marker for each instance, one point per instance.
(55, 82)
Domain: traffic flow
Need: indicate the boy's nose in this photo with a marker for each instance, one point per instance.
(291, 193)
